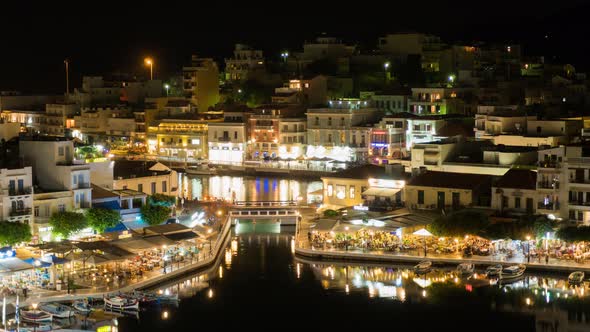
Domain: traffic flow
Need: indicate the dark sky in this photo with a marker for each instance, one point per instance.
(102, 36)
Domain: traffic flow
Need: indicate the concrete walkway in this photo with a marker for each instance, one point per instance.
(151, 279)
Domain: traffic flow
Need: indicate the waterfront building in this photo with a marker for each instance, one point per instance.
(433, 190)
(148, 177)
(552, 182)
(277, 131)
(371, 186)
(341, 131)
(126, 202)
(388, 139)
(578, 183)
(201, 82)
(112, 125)
(515, 193)
(45, 204)
(227, 142)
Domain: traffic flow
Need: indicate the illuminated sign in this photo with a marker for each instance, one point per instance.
(379, 132)
(396, 184)
(380, 145)
(360, 208)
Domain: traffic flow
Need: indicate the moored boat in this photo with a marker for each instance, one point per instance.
(465, 269)
(35, 316)
(576, 278)
(423, 267)
(82, 306)
(57, 310)
(121, 303)
(34, 328)
(494, 271)
(513, 272)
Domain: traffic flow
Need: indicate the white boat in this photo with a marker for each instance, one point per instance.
(57, 310)
(465, 269)
(201, 170)
(513, 272)
(576, 278)
(423, 267)
(494, 271)
(38, 328)
(36, 316)
(82, 306)
(121, 303)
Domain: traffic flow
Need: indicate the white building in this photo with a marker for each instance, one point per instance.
(16, 194)
(149, 177)
(55, 168)
(245, 62)
(227, 142)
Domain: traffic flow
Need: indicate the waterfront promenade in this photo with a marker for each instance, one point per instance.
(149, 279)
(305, 249)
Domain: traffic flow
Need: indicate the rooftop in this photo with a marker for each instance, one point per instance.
(135, 169)
(366, 172)
(518, 179)
(101, 193)
(449, 180)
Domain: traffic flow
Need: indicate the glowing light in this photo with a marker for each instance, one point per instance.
(165, 315)
(210, 293)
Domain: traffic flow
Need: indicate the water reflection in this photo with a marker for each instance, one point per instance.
(246, 188)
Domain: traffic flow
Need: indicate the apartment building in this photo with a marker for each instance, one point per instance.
(16, 193)
(227, 142)
(201, 82)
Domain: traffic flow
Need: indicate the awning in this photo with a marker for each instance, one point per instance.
(181, 236)
(381, 192)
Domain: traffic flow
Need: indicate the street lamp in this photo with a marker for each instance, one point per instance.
(528, 248)
(386, 65)
(285, 55)
(167, 87)
(150, 62)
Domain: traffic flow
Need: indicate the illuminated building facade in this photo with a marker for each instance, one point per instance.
(227, 142)
(341, 131)
(277, 132)
(245, 62)
(185, 140)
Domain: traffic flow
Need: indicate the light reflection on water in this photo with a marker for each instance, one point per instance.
(246, 188)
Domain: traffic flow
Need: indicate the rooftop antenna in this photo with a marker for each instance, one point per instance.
(67, 63)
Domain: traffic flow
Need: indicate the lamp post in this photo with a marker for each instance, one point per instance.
(150, 62)
(67, 63)
(528, 248)
(386, 67)
(167, 87)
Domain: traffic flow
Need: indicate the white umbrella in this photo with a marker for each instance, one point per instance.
(424, 233)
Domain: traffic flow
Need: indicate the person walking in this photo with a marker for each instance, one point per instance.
(547, 259)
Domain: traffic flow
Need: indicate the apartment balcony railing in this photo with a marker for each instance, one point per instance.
(548, 185)
(549, 164)
(548, 206)
(263, 127)
(224, 139)
(17, 192)
(577, 202)
(20, 212)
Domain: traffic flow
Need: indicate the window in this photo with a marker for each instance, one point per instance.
(330, 190)
(538, 129)
(235, 135)
(61, 208)
(164, 186)
(153, 188)
(140, 187)
(329, 121)
(351, 192)
(399, 124)
(504, 202)
(517, 202)
(342, 122)
(420, 196)
(196, 141)
(162, 140)
(317, 121)
(286, 127)
(340, 192)
(60, 151)
(329, 138)
(124, 187)
(36, 211)
(77, 199)
(75, 179)
(363, 189)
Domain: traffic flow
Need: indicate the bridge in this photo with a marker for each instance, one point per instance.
(285, 212)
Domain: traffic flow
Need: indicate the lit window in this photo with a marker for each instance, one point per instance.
(351, 192)
(195, 141)
(340, 192)
(330, 190)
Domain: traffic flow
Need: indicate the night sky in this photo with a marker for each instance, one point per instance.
(101, 37)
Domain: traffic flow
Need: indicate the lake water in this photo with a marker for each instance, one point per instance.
(259, 284)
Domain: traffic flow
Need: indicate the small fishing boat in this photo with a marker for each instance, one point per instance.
(82, 306)
(57, 310)
(494, 271)
(423, 267)
(465, 269)
(513, 272)
(121, 303)
(576, 278)
(36, 316)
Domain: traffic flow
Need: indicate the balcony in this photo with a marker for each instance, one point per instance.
(224, 139)
(16, 192)
(549, 164)
(82, 185)
(549, 206)
(263, 127)
(547, 185)
(584, 161)
(20, 212)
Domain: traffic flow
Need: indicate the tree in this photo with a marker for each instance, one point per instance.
(155, 214)
(460, 223)
(100, 219)
(573, 233)
(66, 223)
(161, 199)
(331, 213)
(12, 233)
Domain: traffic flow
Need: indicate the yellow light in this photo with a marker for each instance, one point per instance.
(148, 61)
(165, 315)
(528, 301)
(219, 212)
(34, 305)
(210, 294)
